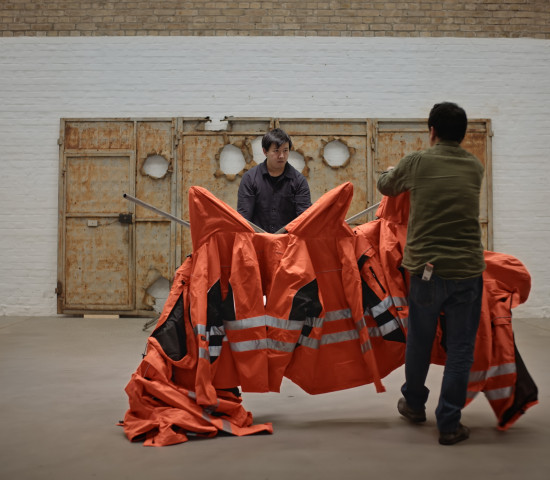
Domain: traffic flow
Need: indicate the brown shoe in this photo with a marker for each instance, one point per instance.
(415, 416)
(461, 433)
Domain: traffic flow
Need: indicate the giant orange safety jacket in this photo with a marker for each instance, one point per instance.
(323, 305)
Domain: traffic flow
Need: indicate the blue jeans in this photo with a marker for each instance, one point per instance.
(460, 301)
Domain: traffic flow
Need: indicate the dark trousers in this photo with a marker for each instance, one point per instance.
(460, 301)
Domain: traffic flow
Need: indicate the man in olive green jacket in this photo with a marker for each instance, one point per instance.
(444, 256)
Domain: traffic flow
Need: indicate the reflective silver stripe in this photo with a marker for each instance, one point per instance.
(400, 301)
(245, 323)
(365, 347)
(504, 369)
(498, 393)
(328, 339)
(199, 329)
(226, 426)
(215, 351)
(329, 317)
(217, 330)
(382, 306)
(192, 395)
(387, 303)
(361, 324)
(280, 346)
(382, 330)
(339, 337)
(374, 332)
(283, 324)
(249, 345)
(389, 327)
(203, 353)
(338, 315)
(314, 322)
(309, 342)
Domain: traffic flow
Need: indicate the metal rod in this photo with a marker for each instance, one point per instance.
(348, 221)
(172, 217)
(156, 210)
(364, 212)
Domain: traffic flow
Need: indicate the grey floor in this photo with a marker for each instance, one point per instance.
(62, 391)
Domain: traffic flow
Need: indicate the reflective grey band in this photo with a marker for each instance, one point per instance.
(217, 331)
(199, 329)
(504, 369)
(283, 324)
(245, 323)
(203, 353)
(365, 347)
(498, 393)
(387, 303)
(214, 351)
(382, 330)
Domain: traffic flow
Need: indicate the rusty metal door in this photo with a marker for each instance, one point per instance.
(327, 151)
(110, 252)
(114, 256)
(393, 139)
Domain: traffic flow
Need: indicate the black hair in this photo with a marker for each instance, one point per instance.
(449, 121)
(276, 136)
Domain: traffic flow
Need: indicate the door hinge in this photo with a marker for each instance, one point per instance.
(59, 288)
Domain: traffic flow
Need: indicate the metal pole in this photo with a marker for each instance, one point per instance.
(156, 210)
(172, 217)
(364, 212)
(348, 221)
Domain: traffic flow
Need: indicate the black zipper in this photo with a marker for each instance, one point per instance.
(376, 278)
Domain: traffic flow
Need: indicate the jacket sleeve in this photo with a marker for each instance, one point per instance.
(397, 180)
(302, 197)
(246, 197)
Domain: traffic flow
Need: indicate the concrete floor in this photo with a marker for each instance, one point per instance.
(62, 382)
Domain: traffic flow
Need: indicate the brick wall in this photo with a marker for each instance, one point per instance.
(424, 18)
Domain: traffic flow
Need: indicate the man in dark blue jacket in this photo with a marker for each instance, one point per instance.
(273, 193)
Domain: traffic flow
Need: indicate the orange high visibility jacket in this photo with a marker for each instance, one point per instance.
(335, 317)
(331, 354)
(379, 250)
(498, 370)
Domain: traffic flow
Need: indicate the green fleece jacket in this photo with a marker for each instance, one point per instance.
(444, 183)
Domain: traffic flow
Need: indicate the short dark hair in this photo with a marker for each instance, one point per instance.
(449, 121)
(276, 136)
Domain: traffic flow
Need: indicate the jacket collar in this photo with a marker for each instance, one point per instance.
(286, 171)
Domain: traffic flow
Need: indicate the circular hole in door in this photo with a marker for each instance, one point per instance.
(296, 160)
(336, 153)
(155, 166)
(231, 160)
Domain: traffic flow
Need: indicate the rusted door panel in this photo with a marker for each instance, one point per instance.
(96, 251)
(99, 135)
(393, 139)
(95, 183)
(154, 139)
(154, 259)
(155, 237)
(323, 177)
(97, 264)
(200, 155)
(98, 248)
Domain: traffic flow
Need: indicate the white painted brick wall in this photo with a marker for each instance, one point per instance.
(44, 79)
